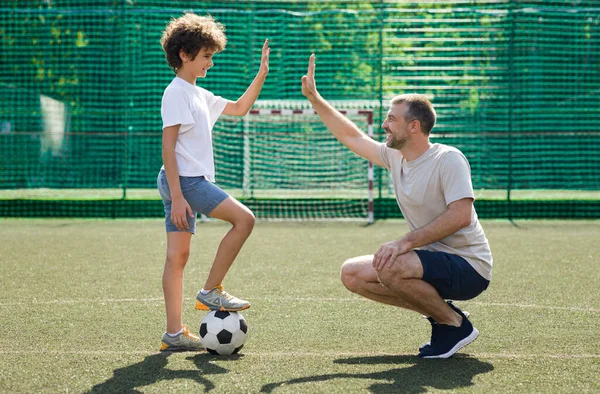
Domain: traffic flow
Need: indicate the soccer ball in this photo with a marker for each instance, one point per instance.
(223, 333)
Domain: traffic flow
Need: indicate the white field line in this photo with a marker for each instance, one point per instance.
(293, 299)
(328, 354)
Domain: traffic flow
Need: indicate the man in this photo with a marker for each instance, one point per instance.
(446, 255)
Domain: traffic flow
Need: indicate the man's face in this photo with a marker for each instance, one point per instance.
(396, 128)
(201, 63)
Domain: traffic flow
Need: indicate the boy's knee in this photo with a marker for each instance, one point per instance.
(179, 257)
(245, 222)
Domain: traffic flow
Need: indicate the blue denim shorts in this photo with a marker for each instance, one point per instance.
(202, 195)
(451, 275)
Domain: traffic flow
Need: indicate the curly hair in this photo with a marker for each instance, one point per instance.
(191, 33)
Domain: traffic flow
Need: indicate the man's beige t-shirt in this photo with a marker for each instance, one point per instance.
(424, 189)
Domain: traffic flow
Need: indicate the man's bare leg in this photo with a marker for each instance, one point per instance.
(404, 279)
(359, 276)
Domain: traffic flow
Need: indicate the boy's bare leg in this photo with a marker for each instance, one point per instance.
(242, 219)
(178, 251)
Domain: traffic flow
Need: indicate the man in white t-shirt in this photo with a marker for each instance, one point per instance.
(446, 255)
(186, 180)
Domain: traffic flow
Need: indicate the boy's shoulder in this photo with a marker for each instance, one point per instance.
(174, 86)
(172, 89)
(179, 86)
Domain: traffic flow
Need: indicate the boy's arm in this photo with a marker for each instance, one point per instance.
(341, 127)
(245, 102)
(179, 206)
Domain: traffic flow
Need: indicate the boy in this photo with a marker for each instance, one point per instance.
(185, 181)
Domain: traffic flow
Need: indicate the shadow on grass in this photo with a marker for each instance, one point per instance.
(417, 376)
(153, 369)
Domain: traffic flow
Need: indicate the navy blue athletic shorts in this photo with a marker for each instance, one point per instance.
(451, 275)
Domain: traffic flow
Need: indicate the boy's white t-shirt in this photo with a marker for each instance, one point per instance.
(426, 186)
(196, 110)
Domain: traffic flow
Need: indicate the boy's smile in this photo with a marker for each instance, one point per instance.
(198, 68)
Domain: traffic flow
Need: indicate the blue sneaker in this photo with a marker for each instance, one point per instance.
(434, 324)
(450, 339)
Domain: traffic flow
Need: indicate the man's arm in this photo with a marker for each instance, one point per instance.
(456, 217)
(341, 127)
(245, 102)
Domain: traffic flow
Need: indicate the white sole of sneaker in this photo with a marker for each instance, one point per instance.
(473, 336)
(467, 314)
(201, 307)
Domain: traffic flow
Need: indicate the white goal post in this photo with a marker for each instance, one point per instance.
(292, 108)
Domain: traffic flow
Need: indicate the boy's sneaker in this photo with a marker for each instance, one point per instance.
(434, 324)
(183, 342)
(450, 339)
(219, 300)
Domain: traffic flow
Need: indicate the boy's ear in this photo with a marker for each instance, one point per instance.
(183, 56)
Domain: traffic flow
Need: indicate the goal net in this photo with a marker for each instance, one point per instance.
(282, 160)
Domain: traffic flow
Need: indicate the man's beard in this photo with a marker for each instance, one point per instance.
(396, 142)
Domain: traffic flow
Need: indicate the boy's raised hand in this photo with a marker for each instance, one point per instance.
(264, 59)
(309, 88)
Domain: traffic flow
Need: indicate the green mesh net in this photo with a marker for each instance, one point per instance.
(515, 84)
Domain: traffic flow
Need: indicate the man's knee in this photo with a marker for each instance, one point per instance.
(349, 275)
(404, 267)
(355, 272)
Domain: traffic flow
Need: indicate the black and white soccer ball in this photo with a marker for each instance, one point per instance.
(223, 333)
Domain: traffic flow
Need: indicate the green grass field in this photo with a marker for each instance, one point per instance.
(81, 311)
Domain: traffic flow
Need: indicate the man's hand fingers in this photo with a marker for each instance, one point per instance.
(382, 262)
(392, 259)
(376, 257)
(379, 260)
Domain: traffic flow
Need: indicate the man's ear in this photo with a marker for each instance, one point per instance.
(415, 126)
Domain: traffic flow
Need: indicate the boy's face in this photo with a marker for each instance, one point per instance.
(201, 63)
